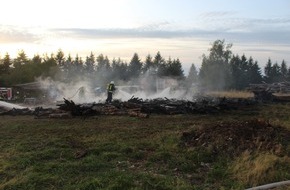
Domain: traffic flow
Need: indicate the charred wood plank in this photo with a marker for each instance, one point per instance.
(77, 110)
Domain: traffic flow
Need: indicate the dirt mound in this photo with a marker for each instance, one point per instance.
(233, 138)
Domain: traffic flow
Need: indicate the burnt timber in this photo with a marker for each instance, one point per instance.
(136, 107)
(265, 92)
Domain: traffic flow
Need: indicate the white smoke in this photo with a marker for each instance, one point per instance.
(9, 106)
(146, 87)
(79, 92)
(165, 93)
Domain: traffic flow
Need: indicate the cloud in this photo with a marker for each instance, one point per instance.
(10, 34)
(155, 26)
(267, 50)
(215, 14)
(145, 32)
(230, 22)
(209, 25)
(262, 36)
(250, 34)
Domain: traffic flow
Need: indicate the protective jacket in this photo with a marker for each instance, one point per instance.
(111, 88)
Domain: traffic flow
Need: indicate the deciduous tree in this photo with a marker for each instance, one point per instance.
(215, 72)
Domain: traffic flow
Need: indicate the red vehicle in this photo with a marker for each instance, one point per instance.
(5, 93)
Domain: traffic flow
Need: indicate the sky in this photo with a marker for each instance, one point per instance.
(183, 29)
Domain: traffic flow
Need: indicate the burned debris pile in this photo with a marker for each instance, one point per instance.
(265, 92)
(283, 87)
(136, 107)
(143, 108)
(204, 105)
(16, 111)
(234, 138)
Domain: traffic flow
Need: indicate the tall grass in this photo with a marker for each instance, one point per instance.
(259, 168)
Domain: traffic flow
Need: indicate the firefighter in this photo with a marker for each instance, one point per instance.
(82, 92)
(110, 89)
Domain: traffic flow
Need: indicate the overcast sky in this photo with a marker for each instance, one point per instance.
(183, 29)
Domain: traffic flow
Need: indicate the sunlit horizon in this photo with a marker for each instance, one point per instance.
(181, 29)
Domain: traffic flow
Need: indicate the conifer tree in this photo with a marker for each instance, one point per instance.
(148, 63)
(135, 66)
(192, 77)
(284, 70)
(5, 65)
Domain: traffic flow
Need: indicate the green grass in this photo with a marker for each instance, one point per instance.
(122, 152)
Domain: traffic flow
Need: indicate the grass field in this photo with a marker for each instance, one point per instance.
(121, 152)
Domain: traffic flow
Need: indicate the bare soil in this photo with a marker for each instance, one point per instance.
(233, 138)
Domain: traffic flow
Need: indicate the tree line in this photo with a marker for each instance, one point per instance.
(223, 70)
(220, 69)
(98, 69)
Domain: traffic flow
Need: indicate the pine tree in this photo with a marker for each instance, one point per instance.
(276, 73)
(123, 71)
(175, 69)
(268, 70)
(103, 68)
(158, 60)
(101, 63)
(192, 77)
(284, 70)
(5, 66)
(65, 69)
(288, 75)
(89, 64)
(254, 73)
(159, 65)
(135, 66)
(78, 67)
(60, 57)
(148, 63)
(48, 66)
(21, 59)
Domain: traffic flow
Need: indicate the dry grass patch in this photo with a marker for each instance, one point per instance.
(257, 169)
(232, 94)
